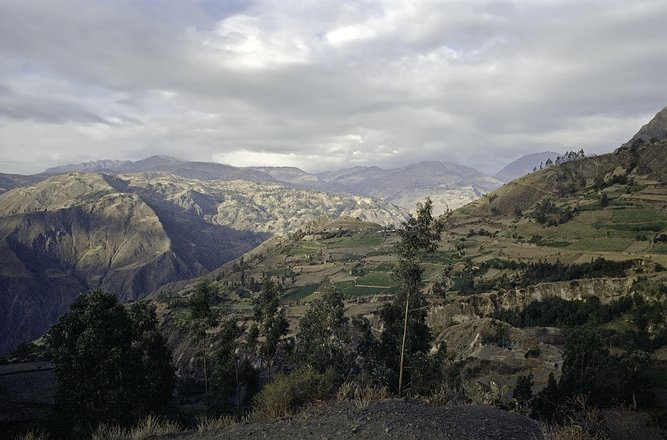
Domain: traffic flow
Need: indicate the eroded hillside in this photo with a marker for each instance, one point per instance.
(132, 233)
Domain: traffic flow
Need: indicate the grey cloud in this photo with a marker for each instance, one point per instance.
(473, 82)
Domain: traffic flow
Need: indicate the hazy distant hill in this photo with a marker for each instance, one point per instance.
(292, 175)
(449, 185)
(10, 181)
(131, 233)
(168, 164)
(524, 165)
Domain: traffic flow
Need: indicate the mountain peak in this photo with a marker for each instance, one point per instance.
(655, 129)
(160, 159)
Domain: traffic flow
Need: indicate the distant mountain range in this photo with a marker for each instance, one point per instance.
(449, 185)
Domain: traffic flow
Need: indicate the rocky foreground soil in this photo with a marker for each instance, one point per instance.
(388, 419)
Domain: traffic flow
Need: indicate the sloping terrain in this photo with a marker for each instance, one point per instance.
(11, 181)
(449, 185)
(132, 233)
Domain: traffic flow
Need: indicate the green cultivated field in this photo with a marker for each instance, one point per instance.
(382, 279)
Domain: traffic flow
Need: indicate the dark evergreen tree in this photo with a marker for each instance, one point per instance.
(110, 366)
(233, 378)
(405, 330)
(324, 334)
(523, 389)
(203, 318)
(272, 322)
(546, 403)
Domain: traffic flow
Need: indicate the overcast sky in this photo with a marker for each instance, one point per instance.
(325, 84)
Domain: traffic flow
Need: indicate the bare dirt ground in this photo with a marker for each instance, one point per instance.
(387, 419)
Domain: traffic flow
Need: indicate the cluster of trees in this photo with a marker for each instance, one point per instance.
(240, 374)
(111, 365)
(592, 372)
(569, 156)
(557, 312)
(468, 282)
(548, 214)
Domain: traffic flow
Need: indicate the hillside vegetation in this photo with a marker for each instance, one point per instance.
(515, 277)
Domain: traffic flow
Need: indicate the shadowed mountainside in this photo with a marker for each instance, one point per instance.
(132, 233)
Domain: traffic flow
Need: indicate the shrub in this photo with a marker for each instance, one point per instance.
(286, 393)
(523, 389)
(149, 427)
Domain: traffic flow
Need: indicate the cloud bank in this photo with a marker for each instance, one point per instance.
(323, 85)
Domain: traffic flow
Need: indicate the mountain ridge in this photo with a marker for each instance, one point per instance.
(448, 184)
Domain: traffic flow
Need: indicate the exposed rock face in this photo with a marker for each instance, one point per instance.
(511, 350)
(132, 233)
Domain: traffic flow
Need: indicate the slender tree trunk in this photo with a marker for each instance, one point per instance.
(405, 337)
(238, 397)
(205, 376)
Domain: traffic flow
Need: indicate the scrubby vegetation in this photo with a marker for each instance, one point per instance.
(468, 280)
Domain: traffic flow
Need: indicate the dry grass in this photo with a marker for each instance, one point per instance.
(32, 436)
(215, 424)
(361, 395)
(150, 427)
(568, 432)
